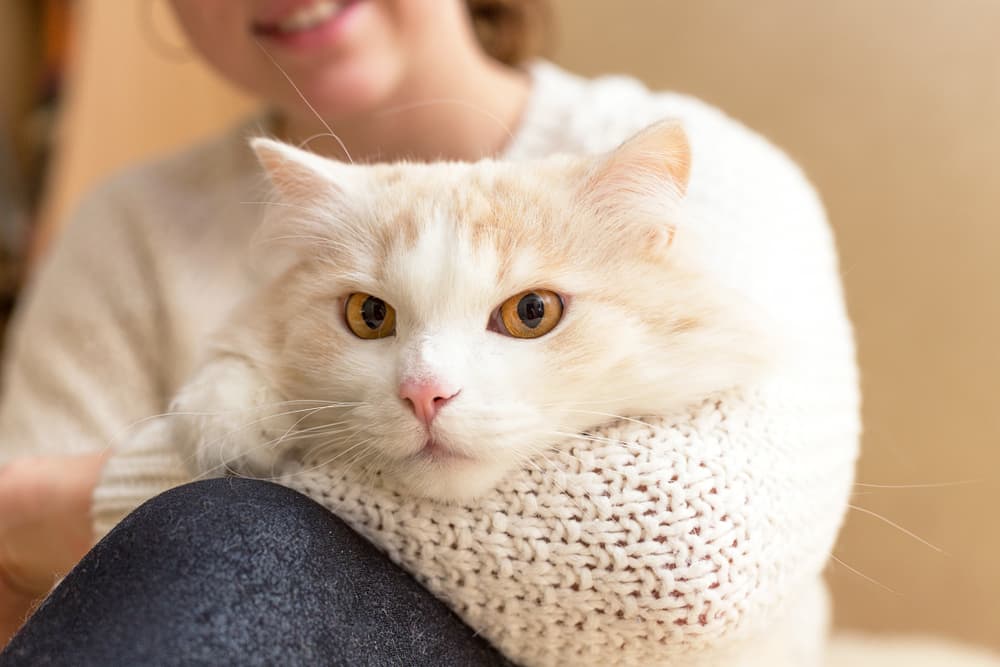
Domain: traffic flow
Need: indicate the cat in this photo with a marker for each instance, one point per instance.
(441, 324)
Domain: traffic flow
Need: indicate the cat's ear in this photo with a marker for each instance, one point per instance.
(643, 181)
(298, 175)
(658, 154)
(317, 202)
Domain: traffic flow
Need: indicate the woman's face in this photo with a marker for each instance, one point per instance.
(346, 56)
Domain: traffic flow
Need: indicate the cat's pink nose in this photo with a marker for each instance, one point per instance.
(426, 398)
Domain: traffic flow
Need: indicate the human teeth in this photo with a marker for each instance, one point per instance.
(309, 16)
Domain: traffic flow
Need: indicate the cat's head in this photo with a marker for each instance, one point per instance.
(479, 313)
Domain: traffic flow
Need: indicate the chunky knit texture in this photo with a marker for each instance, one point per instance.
(673, 542)
(691, 539)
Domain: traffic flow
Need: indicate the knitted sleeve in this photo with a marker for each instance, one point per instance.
(674, 541)
(83, 355)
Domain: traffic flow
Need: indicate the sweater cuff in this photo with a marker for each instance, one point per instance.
(137, 470)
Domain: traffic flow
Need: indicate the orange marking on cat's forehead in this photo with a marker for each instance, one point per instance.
(521, 217)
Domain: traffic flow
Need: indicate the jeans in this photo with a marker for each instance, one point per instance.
(241, 572)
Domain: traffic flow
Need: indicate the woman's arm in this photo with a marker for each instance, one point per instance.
(44, 527)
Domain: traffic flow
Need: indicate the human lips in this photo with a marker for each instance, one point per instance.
(294, 18)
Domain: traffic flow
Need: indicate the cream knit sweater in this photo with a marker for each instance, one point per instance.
(694, 539)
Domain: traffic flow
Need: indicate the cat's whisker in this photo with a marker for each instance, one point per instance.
(260, 420)
(575, 403)
(602, 439)
(862, 575)
(569, 454)
(895, 525)
(371, 470)
(306, 101)
(220, 441)
(318, 242)
(337, 443)
(294, 427)
(304, 434)
(562, 488)
(932, 485)
(218, 413)
(633, 420)
(327, 462)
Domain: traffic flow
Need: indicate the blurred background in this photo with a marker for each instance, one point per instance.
(892, 108)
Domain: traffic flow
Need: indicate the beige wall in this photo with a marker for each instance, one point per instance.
(893, 107)
(135, 90)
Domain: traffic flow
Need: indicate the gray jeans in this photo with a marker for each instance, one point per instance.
(240, 572)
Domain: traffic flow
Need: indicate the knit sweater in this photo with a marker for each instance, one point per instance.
(688, 539)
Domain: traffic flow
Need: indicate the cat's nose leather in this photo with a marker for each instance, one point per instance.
(426, 398)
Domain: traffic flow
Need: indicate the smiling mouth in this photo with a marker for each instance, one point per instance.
(303, 19)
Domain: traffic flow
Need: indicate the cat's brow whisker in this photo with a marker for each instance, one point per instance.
(306, 101)
(895, 525)
(862, 575)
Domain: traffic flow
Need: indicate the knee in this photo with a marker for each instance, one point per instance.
(225, 509)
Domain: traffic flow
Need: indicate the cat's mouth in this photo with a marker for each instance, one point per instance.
(438, 452)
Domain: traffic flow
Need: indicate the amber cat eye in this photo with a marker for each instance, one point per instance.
(370, 317)
(529, 314)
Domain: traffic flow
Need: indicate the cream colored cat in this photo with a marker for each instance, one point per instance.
(441, 324)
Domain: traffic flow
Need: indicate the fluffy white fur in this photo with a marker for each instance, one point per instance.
(645, 329)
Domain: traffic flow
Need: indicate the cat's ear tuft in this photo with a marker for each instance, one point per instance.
(639, 185)
(295, 173)
(659, 153)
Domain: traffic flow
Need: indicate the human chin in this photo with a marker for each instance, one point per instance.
(361, 85)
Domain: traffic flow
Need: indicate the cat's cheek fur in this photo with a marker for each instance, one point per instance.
(227, 418)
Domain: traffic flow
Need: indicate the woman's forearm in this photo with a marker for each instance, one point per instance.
(45, 527)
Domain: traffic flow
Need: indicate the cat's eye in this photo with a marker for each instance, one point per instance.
(369, 317)
(529, 314)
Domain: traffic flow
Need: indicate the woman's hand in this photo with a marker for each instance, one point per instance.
(44, 527)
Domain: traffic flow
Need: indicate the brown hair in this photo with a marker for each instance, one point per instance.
(512, 31)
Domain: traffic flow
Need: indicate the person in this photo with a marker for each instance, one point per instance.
(112, 322)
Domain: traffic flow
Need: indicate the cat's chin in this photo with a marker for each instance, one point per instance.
(451, 479)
